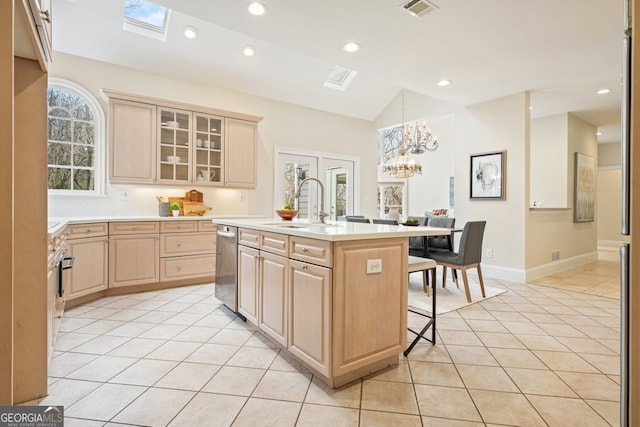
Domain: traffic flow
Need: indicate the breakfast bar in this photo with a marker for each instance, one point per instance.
(333, 295)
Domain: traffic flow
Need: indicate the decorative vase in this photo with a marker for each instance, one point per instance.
(175, 213)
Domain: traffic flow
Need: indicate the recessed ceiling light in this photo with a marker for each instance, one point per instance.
(257, 9)
(603, 91)
(249, 51)
(444, 83)
(351, 47)
(598, 133)
(190, 32)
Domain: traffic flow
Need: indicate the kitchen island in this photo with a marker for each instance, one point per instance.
(333, 295)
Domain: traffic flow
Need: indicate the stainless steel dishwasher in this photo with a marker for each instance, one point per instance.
(226, 287)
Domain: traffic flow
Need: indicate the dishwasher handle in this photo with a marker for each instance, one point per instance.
(229, 234)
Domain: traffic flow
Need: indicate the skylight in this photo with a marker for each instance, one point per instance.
(339, 78)
(146, 18)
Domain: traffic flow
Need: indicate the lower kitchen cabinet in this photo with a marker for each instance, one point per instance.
(310, 314)
(90, 266)
(273, 291)
(248, 281)
(185, 252)
(133, 260)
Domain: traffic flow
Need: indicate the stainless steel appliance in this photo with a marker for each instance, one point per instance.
(227, 267)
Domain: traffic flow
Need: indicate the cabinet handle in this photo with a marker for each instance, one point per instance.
(305, 250)
(46, 16)
(304, 267)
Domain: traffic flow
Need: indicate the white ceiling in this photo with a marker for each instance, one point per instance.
(560, 50)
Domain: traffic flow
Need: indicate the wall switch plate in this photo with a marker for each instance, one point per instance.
(489, 253)
(374, 266)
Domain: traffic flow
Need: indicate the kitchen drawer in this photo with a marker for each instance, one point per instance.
(178, 227)
(180, 244)
(207, 226)
(249, 237)
(311, 250)
(81, 231)
(275, 243)
(138, 227)
(187, 267)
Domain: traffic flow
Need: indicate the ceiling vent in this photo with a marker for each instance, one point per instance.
(419, 7)
(339, 78)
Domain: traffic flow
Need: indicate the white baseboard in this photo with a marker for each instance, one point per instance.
(560, 265)
(504, 273)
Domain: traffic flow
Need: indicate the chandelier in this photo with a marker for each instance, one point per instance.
(415, 138)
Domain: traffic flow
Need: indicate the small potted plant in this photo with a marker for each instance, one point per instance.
(175, 209)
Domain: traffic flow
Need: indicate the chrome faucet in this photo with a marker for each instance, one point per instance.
(322, 214)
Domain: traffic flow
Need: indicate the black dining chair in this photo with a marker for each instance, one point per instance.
(384, 221)
(440, 243)
(468, 256)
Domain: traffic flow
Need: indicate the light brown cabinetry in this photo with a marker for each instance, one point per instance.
(33, 31)
(185, 252)
(248, 282)
(134, 253)
(89, 246)
(160, 141)
(174, 150)
(263, 279)
(55, 302)
(132, 142)
(310, 314)
(240, 153)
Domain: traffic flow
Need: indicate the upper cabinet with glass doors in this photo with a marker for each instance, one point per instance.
(190, 145)
(175, 145)
(208, 157)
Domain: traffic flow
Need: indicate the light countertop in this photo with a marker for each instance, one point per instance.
(332, 231)
(55, 225)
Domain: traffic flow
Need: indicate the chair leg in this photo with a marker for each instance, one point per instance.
(444, 276)
(466, 283)
(481, 281)
(454, 273)
(425, 281)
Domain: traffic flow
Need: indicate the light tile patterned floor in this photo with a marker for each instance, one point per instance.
(536, 355)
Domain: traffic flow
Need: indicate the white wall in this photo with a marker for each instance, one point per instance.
(283, 125)
(549, 151)
(549, 231)
(609, 197)
(500, 124)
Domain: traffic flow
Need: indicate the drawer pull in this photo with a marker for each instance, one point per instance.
(305, 250)
(304, 267)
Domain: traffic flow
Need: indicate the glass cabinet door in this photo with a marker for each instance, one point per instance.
(207, 156)
(174, 140)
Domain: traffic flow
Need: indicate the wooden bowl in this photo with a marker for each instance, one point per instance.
(286, 214)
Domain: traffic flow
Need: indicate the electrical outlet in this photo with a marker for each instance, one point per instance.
(123, 195)
(374, 266)
(555, 255)
(489, 253)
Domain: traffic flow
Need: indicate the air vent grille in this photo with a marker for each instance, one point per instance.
(419, 7)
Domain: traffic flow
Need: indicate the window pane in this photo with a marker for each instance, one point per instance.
(59, 154)
(83, 132)
(59, 112)
(83, 156)
(83, 112)
(69, 100)
(82, 179)
(59, 179)
(59, 129)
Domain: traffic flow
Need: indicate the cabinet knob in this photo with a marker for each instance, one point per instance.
(304, 267)
(46, 16)
(179, 244)
(305, 250)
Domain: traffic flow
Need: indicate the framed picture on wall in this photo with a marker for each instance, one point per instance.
(583, 188)
(488, 175)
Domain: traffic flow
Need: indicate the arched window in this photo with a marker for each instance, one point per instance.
(75, 139)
